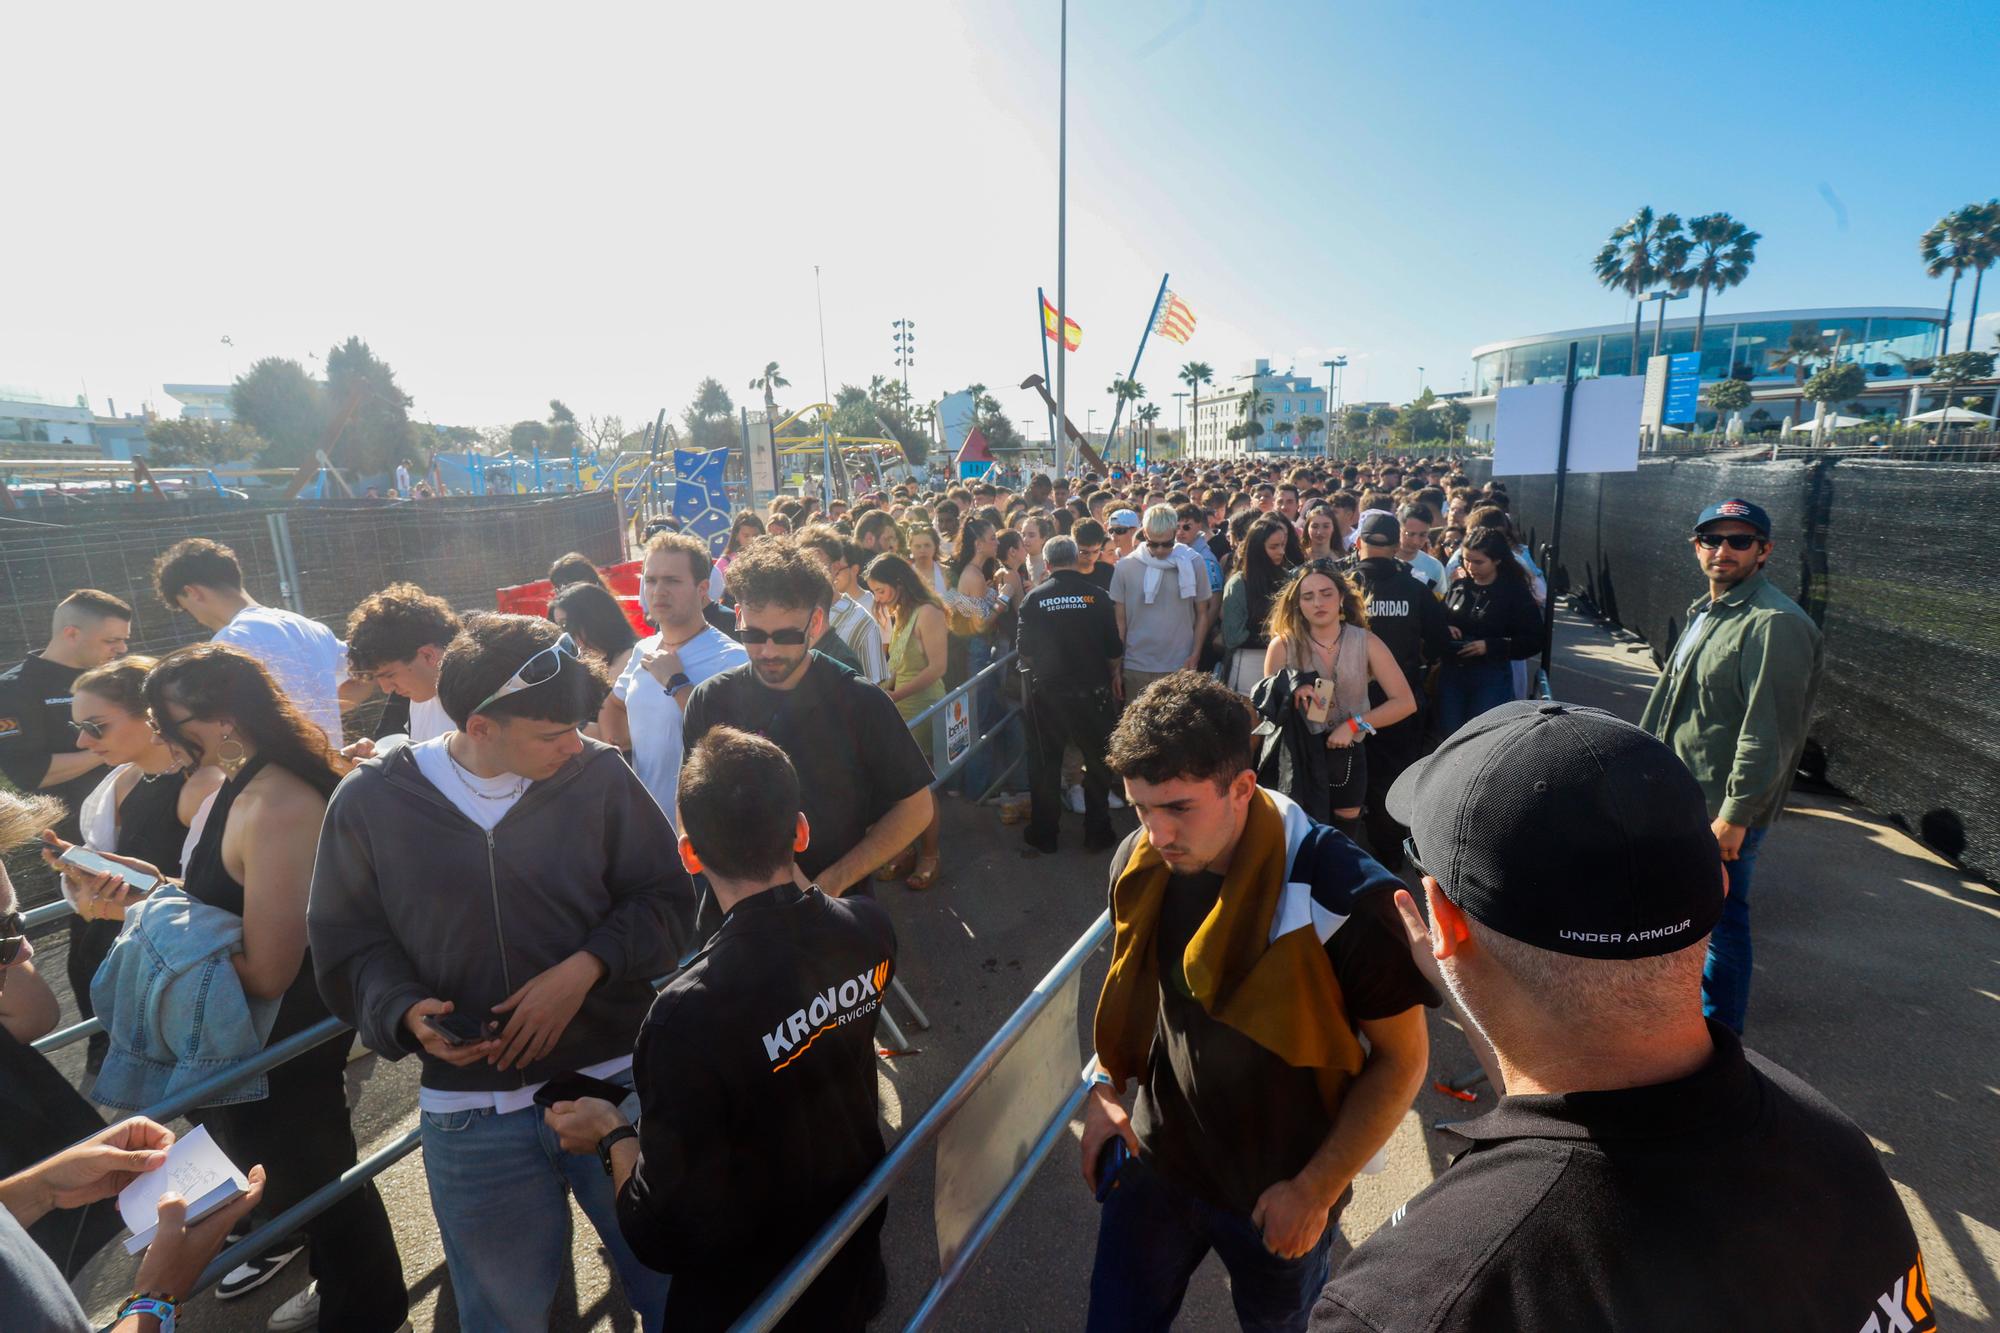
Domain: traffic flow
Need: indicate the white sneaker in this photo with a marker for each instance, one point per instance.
(246, 1278)
(298, 1313)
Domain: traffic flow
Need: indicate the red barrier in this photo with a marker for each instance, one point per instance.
(532, 599)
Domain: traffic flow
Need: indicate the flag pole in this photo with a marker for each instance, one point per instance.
(1062, 243)
(1148, 331)
(1042, 327)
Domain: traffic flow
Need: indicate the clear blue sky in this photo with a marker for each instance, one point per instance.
(517, 204)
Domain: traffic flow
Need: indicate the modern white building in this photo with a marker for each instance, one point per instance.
(203, 402)
(1290, 399)
(1772, 350)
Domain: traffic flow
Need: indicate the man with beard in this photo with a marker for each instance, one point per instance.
(864, 784)
(1733, 704)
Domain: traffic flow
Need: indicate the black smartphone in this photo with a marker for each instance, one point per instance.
(460, 1029)
(575, 1087)
(1111, 1159)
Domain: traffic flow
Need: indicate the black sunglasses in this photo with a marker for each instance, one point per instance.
(1738, 541)
(785, 638)
(12, 936)
(94, 730)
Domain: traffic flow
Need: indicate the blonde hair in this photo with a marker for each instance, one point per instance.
(22, 818)
(1287, 622)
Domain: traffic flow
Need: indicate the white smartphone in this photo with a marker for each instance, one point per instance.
(85, 859)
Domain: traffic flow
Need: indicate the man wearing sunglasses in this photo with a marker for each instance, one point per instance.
(1734, 703)
(864, 783)
(38, 750)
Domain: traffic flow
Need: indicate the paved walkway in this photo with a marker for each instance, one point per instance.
(1877, 980)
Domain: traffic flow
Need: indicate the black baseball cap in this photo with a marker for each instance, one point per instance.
(1380, 526)
(1567, 829)
(1740, 510)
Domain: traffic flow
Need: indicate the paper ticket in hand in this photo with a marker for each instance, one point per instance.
(197, 1170)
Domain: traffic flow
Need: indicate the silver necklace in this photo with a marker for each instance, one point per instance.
(465, 781)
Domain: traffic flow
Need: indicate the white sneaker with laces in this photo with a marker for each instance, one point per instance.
(246, 1278)
(299, 1313)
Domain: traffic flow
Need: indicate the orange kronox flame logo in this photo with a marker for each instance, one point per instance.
(842, 1003)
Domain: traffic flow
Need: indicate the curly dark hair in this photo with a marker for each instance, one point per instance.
(1185, 725)
(777, 572)
(391, 625)
(214, 680)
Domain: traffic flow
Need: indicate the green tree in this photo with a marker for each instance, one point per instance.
(1804, 348)
(1836, 384)
(1634, 258)
(710, 418)
(1946, 247)
(1721, 252)
(771, 381)
(1982, 250)
(1125, 391)
(1383, 420)
(378, 434)
(1456, 416)
(1144, 416)
(278, 401)
(1726, 396)
(565, 431)
(1960, 368)
(527, 436)
(193, 442)
(1309, 427)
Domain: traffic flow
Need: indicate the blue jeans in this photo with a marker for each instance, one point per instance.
(1725, 977)
(1465, 691)
(1152, 1235)
(985, 704)
(500, 1186)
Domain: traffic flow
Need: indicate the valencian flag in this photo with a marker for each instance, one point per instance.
(1175, 320)
(1072, 331)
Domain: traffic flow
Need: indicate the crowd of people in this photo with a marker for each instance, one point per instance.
(1312, 684)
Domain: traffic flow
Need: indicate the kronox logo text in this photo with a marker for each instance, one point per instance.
(851, 999)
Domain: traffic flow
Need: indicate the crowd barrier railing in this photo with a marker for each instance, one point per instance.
(329, 1029)
(965, 1228)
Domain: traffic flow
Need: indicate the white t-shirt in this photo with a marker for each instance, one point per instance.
(1428, 569)
(302, 655)
(483, 801)
(402, 480)
(653, 717)
(428, 720)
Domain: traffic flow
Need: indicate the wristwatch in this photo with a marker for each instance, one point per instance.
(157, 1304)
(680, 678)
(618, 1135)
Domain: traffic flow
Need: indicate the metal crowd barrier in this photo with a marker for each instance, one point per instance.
(328, 1029)
(1060, 983)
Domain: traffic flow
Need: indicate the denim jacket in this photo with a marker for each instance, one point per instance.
(173, 1006)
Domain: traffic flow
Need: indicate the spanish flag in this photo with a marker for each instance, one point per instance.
(1072, 331)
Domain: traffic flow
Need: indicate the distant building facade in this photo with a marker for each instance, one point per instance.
(1292, 398)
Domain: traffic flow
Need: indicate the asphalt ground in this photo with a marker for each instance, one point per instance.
(1877, 980)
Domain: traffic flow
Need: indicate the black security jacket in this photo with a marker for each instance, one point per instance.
(758, 1110)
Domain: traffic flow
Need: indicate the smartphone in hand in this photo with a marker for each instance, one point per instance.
(90, 863)
(1111, 1159)
(460, 1029)
(575, 1087)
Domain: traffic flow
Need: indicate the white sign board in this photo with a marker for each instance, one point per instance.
(1653, 406)
(1603, 428)
(760, 457)
(957, 729)
(956, 415)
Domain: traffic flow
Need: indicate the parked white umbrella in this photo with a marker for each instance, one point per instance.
(1951, 414)
(1834, 421)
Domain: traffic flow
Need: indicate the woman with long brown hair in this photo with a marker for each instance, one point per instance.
(913, 628)
(213, 704)
(1268, 549)
(1319, 627)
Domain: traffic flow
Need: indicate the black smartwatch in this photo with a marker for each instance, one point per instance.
(680, 678)
(618, 1135)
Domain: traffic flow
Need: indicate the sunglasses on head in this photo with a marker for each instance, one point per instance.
(13, 934)
(94, 730)
(539, 669)
(784, 638)
(1737, 541)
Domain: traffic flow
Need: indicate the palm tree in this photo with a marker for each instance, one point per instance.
(1722, 250)
(769, 381)
(1804, 349)
(1982, 250)
(1195, 374)
(1943, 249)
(1146, 414)
(1632, 260)
(1125, 391)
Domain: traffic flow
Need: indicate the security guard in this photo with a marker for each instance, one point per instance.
(1071, 649)
(1404, 614)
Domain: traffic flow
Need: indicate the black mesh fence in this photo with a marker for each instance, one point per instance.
(461, 549)
(1909, 709)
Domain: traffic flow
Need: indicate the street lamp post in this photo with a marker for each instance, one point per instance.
(906, 348)
(1062, 245)
(1180, 422)
(1333, 369)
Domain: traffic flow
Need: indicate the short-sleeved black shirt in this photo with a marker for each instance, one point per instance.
(34, 726)
(854, 753)
(1220, 1115)
(1100, 573)
(1736, 1197)
(1069, 631)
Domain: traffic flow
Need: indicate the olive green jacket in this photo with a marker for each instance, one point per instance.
(1736, 710)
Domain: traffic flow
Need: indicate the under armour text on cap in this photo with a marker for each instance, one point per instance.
(1740, 510)
(1566, 829)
